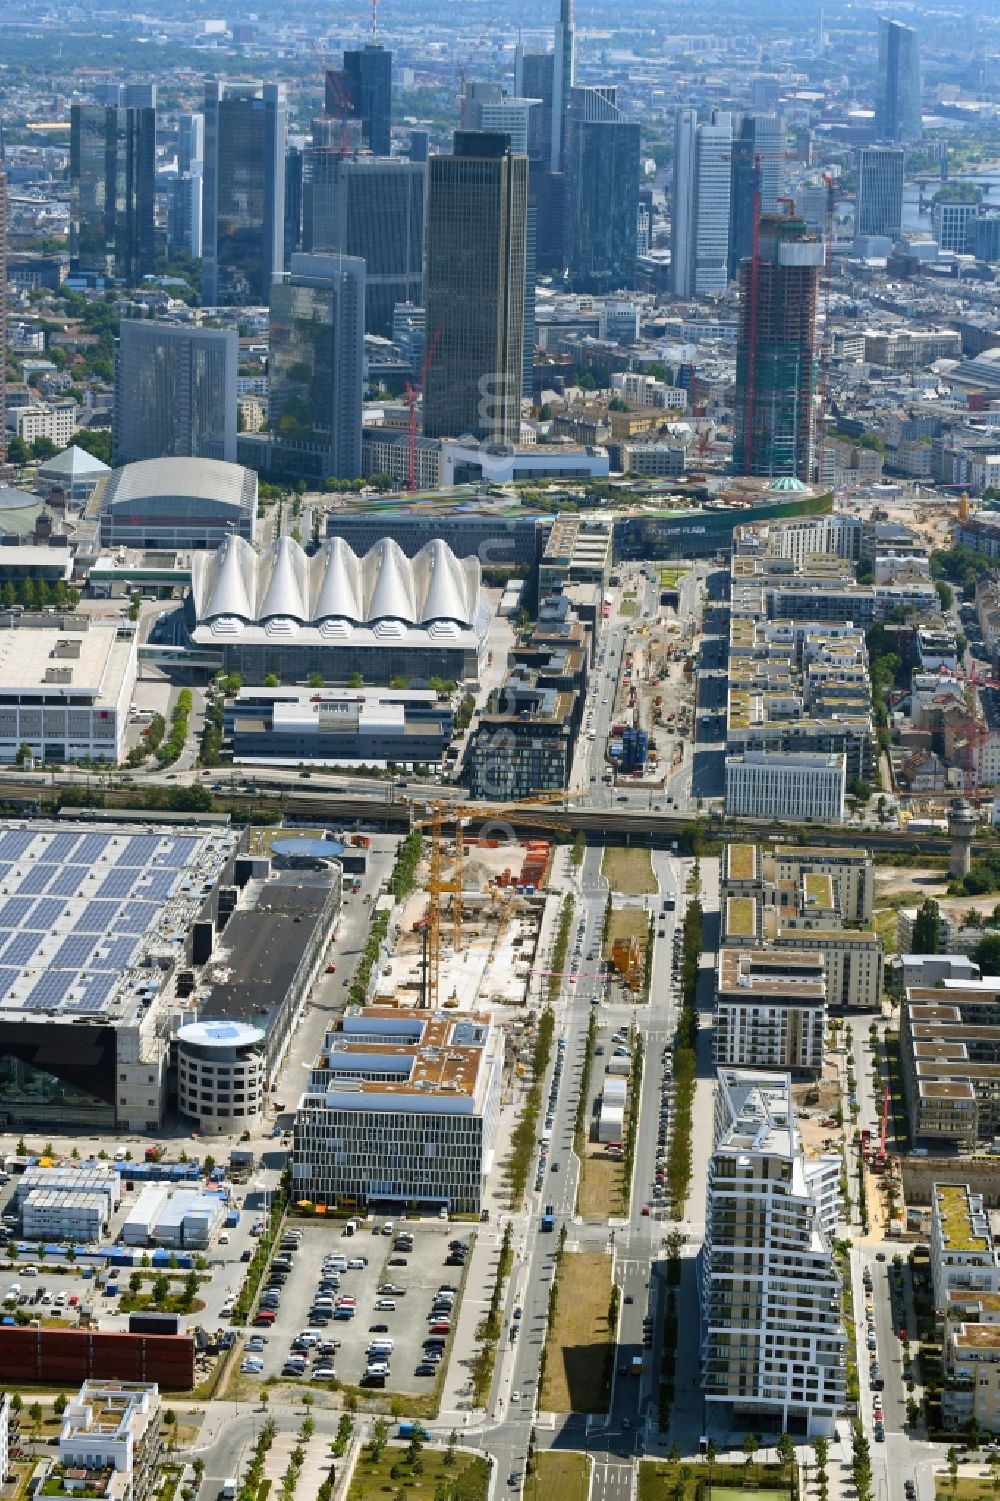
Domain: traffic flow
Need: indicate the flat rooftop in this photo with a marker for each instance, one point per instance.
(86, 914)
(963, 1226)
(794, 975)
(741, 862)
(424, 1054)
(64, 661)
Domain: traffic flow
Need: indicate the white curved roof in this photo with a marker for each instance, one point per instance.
(281, 584)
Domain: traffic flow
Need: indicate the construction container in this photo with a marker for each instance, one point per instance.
(80, 1217)
(149, 1204)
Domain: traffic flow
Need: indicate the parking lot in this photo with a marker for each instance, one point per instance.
(417, 1280)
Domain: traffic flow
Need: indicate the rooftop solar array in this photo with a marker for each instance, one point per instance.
(80, 909)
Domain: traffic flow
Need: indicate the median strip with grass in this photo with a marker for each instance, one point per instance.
(579, 1348)
(629, 871)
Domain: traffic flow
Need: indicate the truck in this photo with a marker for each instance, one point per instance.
(549, 1218)
(636, 1365)
(230, 1488)
(413, 1430)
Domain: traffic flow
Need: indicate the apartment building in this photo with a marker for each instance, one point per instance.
(965, 1261)
(578, 551)
(770, 1009)
(950, 1053)
(772, 1340)
(402, 1108)
(5, 1428)
(57, 422)
(972, 1369)
(778, 873)
(110, 1441)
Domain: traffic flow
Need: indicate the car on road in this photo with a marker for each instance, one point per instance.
(426, 1368)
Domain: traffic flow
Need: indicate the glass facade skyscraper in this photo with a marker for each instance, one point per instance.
(602, 192)
(897, 86)
(112, 156)
(244, 191)
(362, 90)
(175, 392)
(880, 191)
(759, 136)
(316, 368)
(372, 207)
(477, 209)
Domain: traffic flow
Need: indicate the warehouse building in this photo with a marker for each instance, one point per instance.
(402, 1108)
(381, 616)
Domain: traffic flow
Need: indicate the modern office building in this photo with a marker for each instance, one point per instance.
(362, 90)
(601, 155)
(758, 165)
(897, 85)
(184, 199)
(244, 191)
(112, 174)
(175, 392)
(383, 615)
(880, 192)
(316, 368)
(777, 353)
(68, 682)
(773, 1344)
(221, 1075)
(378, 726)
(402, 1108)
(563, 81)
(701, 203)
(176, 503)
(770, 1007)
(373, 208)
(791, 785)
(952, 225)
(477, 203)
(533, 79)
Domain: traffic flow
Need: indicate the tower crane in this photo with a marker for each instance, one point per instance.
(438, 812)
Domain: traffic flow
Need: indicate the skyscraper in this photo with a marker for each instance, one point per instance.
(682, 203)
(777, 358)
(362, 90)
(477, 201)
(701, 203)
(880, 191)
(244, 192)
(112, 169)
(760, 136)
(184, 202)
(316, 367)
(602, 181)
(372, 207)
(533, 75)
(563, 79)
(897, 86)
(3, 316)
(175, 392)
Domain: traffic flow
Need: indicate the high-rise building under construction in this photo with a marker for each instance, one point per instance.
(777, 354)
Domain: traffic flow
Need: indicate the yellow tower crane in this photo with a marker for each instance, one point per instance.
(440, 811)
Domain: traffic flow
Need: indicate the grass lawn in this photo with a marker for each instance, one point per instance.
(661, 1480)
(629, 871)
(559, 1474)
(626, 922)
(466, 1478)
(972, 1489)
(579, 1349)
(602, 1187)
(671, 577)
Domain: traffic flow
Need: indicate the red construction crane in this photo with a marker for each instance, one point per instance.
(412, 393)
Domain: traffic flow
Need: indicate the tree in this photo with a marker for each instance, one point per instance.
(43, 448)
(751, 1443)
(785, 1450)
(314, 680)
(59, 1405)
(161, 1288)
(35, 1414)
(271, 680)
(927, 928)
(17, 451)
(95, 440)
(399, 682)
(987, 954)
(953, 1469)
(170, 1421)
(355, 680)
(190, 1288)
(945, 593)
(135, 1282)
(24, 754)
(16, 1402)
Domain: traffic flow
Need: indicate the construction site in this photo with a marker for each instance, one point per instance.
(467, 938)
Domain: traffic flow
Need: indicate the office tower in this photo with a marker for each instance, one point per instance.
(880, 191)
(952, 225)
(3, 314)
(362, 90)
(602, 181)
(530, 287)
(316, 367)
(477, 201)
(420, 145)
(184, 214)
(510, 117)
(563, 79)
(897, 85)
(772, 1337)
(533, 74)
(190, 142)
(760, 138)
(777, 356)
(372, 207)
(475, 93)
(293, 203)
(244, 191)
(175, 392)
(112, 168)
(682, 203)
